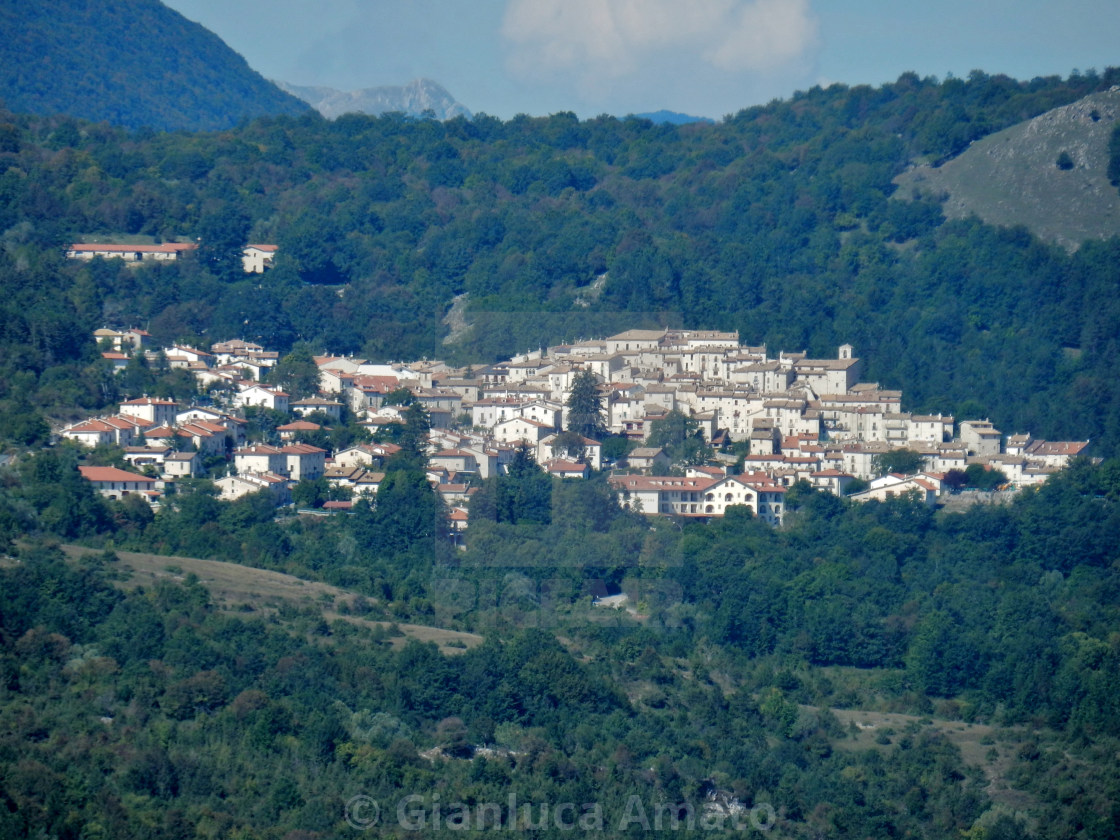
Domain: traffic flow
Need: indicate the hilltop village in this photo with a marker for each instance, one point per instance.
(765, 423)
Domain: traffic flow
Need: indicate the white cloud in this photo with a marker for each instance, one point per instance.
(765, 34)
(614, 39)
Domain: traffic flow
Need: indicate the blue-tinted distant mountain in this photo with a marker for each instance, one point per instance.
(132, 63)
(673, 117)
(418, 97)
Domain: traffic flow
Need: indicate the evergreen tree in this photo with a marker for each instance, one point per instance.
(414, 435)
(585, 406)
(297, 372)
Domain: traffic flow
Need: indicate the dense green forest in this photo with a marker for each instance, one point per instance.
(779, 222)
(150, 712)
(987, 641)
(134, 63)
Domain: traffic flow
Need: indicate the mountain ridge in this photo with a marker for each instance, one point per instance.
(132, 63)
(417, 98)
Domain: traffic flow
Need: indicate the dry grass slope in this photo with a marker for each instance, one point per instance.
(248, 591)
(1013, 178)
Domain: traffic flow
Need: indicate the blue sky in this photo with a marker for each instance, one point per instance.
(702, 57)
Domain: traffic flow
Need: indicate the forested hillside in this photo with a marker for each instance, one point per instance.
(868, 670)
(131, 63)
(777, 222)
(874, 670)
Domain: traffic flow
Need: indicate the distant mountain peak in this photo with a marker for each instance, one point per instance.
(416, 98)
(673, 118)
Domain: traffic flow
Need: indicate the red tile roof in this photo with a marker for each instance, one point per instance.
(112, 474)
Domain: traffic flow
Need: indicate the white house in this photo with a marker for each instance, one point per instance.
(260, 459)
(981, 437)
(521, 428)
(303, 461)
(592, 450)
(454, 460)
(256, 258)
(263, 396)
(235, 486)
(123, 340)
(893, 486)
(90, 433)
(154, 411)
(650, 458)
(311, 405)
(182, 465)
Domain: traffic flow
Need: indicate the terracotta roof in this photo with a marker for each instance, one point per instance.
(562, 466)
(106, 248)
(112, 474)
(149, 401)
(258, 450)
(301, 449)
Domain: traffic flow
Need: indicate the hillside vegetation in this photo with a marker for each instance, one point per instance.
(132, 63)
(981, 648)
(777, 222)
(974, 659)
(1049, 174)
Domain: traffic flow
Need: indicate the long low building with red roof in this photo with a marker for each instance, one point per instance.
(131, 253)
(114, 483)
(254, 260)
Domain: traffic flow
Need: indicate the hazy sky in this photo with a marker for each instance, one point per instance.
(702, 57)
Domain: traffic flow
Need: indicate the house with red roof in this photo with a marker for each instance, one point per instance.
(293, 431)
(118, 360)
(121, 430)
(260, 459)
(90, 433)
(256, 259)
(114, 483)
(304, 461)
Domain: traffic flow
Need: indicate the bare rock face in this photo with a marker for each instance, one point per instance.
(1048, 173)
(418, 98)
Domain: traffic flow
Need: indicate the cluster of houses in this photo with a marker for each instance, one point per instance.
(805, 419)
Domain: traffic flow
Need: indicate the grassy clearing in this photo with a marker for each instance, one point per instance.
(1011, 177)
(247, 591)
(990, 748)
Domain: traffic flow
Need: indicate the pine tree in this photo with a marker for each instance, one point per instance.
(585, 406)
